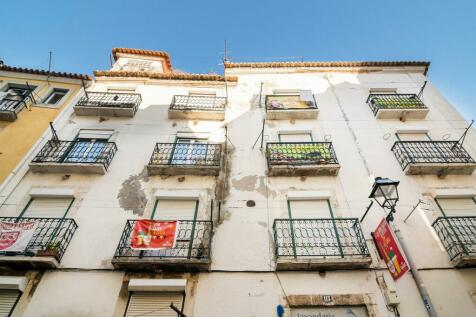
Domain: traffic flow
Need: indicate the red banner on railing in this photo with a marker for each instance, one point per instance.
(389, 249)
(16, 236)
(153, 235)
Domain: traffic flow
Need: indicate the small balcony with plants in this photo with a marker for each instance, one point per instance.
(200, 107)
(186, 159)
(282, 107)
(458, 236)
(301, 159)
(433, 157)
(46, 241)
(108, 104)
(397, 106)
(190, 253)
(80, 156)
(318, 244)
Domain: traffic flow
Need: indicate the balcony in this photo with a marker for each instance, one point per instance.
(197, 107)
(301, 159)
(458, 236)
(185, 159)
(319, 244)
(47, 246)
(397, 106)
(281, 107)
(108, 104)
(11, 106)
(83, 157)
(191, 251)
(433, 157)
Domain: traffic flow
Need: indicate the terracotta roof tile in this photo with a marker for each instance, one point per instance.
(134, 51)
(43, 72)
(166, 76)
(329, 64)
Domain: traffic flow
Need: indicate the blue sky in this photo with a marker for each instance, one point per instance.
(82, 33)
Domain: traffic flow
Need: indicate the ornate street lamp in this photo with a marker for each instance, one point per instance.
(385, 193)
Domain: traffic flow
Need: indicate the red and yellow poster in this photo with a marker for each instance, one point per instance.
(153, 235)
(389, 250)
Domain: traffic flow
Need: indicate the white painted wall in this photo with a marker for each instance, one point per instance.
(242, 281)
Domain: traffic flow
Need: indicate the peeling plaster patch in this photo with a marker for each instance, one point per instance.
(271, 124)
(132, 196)
(246, 183)
(263, 189)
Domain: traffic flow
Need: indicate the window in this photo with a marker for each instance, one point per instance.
(295, 137)
(189, 151)
(309, 209)
(457, 207)
(415, 136)
(89, 146)
(175, 209)
(154, 304)
(47, 207)
(55, 96)
(8, 301)
(383, 91)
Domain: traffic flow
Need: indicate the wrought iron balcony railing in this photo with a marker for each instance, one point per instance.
(323, 238)
(300, 153)
(107, 99)
(191, 154)
(412, 152)
(51, 237)
(14, 104)
(458, 235)
(193, 241)
(288, 102)
(79, 152)
(201, 103)
(394, 101)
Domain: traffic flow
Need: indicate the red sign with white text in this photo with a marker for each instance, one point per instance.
(389, 250)
(153, 235)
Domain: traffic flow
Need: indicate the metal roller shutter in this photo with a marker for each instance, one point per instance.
(153, 304)
(454, 207)
(295, 137)
(306, 209)
(47, 208)
(8, 299)
(175, 209)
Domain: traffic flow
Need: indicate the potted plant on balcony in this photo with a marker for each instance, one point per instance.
(51, 249)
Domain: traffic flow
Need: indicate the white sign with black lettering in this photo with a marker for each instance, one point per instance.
(353, 311)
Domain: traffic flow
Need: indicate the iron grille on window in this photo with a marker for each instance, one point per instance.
(411, 152)
(326, 238)
(199, 154)
(107, 99)
(394, 101)
(193, 240)
(300, 153)
(51, 236)
(202, 103)
(81, 152)
(457, 234)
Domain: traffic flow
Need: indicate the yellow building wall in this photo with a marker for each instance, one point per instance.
(17, 138)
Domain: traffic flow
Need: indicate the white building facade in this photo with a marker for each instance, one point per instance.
(268, 171)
